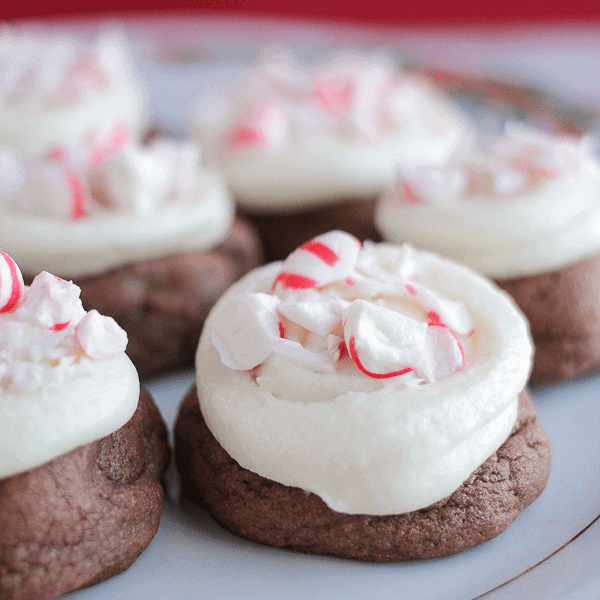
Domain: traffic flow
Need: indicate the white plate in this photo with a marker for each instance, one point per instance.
(552, 551)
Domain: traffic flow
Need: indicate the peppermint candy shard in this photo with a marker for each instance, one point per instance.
(294, 350)
(327, 258)
(382, 342)
(52, 302)
(451, 313)
(11, 284)
(262, 127)
(334, 94)
(320, 317)
(54, 191)
(100, 336)
(244, 330)
(444, 354)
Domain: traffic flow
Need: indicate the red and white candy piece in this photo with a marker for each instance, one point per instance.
(100, 336)
(118, 138)
(383, 343)
(133, 180)
(439, 309)
(262, 127)
(335, 94)
(430, 184)
(11, 284)
(245, 329)
(444, 354)
(327, 258)
(53, 302)
(539, 154)
(55, 191)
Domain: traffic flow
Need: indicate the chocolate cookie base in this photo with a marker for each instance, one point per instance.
(563, 308)
(86, 515)
(271, 513)
(281, 234)
(162, 303)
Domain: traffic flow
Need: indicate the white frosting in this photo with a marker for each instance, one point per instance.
(65, 380)
(140, 204)
(311, 137)
(368, 445)
(59, 95)
(536, 216)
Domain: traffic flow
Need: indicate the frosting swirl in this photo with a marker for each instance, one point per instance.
(403, 420)
(528, 204)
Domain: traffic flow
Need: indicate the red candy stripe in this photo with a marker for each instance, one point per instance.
(354, 357)
(294, 281)
(246, 136)
(281, 330)
(434, 316)
(325, 253)
(16, 284)
(77, 195)
(462, 352)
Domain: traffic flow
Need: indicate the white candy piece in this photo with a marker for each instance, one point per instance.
(133, 180)
(12, 173)
(186, 167)
(52, 302)
(431, 184)
(327, 258)
(54, 191)
(11, 284)
(319, 362)
(320, 317)
(506, 180)
(100, 336)
(245, 329)
(443, 354)
(384, 341)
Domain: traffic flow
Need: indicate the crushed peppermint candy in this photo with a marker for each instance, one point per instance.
(46, 336)
(360, 97)
(335, 301)
(134, 179)
(47, 71)
(512, 164)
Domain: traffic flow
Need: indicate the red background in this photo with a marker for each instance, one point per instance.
(419, 12)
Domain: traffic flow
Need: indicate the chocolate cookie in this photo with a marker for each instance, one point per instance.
(85, 516)
(162, 303)
(281, 234)
(271, 513)
(563, 308)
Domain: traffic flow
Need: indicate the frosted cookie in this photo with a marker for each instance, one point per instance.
(61, 98)
(148, 235)
(526, 212)
(305, 150)
(366, 402)
(82, 448)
